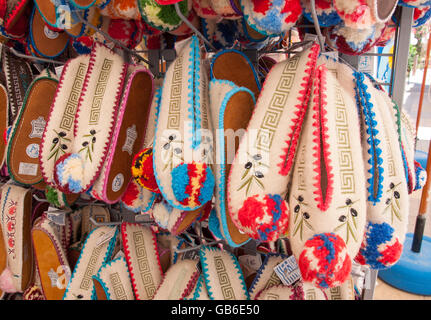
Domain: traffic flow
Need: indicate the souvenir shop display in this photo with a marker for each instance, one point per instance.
(190, 150)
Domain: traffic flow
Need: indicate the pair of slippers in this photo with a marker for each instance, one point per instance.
(90, 140)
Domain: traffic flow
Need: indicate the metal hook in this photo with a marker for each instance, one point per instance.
(24, 56)
(198, 247)
(316, 25)
(39, 199)
(102, 224)
(191, 26)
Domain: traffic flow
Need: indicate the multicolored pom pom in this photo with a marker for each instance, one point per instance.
(324, 261)
(355, 13)
(380, 248)
(421, 176)
(421, 16)
(264, 218)
(143, 172)
(193, 184)
(69, 173)
(415, 3)
(326, 13)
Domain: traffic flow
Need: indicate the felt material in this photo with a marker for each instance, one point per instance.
(325, 10)
(128, 135)
(98, 213)
(114, 278)
(94, 122)
(23, 146)
(328, 205)
(16, 227)
(92, 257)
(51, 258)
(261, 169)
(344, 292)
(122, 9)
(183, 148)
(388, 203)
(223, 276)
(4, 108)
(271, 17)
(47, 43)
(142, 257)
(266, 276)
(231, 108)
(281, 292)
(58, 134)
(18, 76)
(178, 281)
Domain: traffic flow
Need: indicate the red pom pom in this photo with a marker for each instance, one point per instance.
(143, 172)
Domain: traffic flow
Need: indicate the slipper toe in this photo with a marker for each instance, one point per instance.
(69, 173)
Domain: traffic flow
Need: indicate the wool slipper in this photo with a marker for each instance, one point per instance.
(26, 134)
(142, 255)
(353, 41)
(18, 76)
(227, 9)
(414, 3)
(122, 9)
(168, 245)
(46, 42)
(51, 258)
(325, 10)
(112, 282)
(251, 38)
(344, 292)
(313, 293)
(127, 32)
(261, 169)
(95, 119)
(266, 276)
(15, 17)
(83, 4)
(97, 250)
(200, 291)
(271, 18)
(179, 281)
(99, 213)
(204, 10)
(137, 199)
(58, 134)
(4, 109)
(183, 147)
(282, 292)
(128, 136)
(16, 217)
(163, 17)
(388, 204)
(231, 108)
(223, 275)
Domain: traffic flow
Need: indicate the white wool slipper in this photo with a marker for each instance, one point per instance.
(97, 250)
(282, 292)
(26, 136)
(142, 255)
(223, 275)
(388, 202)
(327, 196)
(128, 135)
(16, 227)
(95, 120)
(179, 281)
(112, 282)
(200, 291)
(183, 146)
(51, 257)
(261, 169)
(58, 134)
(344, 292)
(266, 276)
(4, 109)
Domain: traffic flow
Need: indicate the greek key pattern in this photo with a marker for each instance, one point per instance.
(272, 281)
(119, 292)
(72, 102)
(345, 159)
(335, 293)
(143, 264)
(272, 296)
(301, 169)
(175, 98)
(99, 93)
(223, 277)
(90, 271)
(265, 135)
(310, 294)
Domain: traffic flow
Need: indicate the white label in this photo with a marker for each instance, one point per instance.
(58, 218)
(311, 37)
(253, 262)
(50, 34)
(59, 70)
(120, 254)
(366, 64)
(118, 182)
(28, 169)
(288, 271)
(106, 237)
(37, 128)
(132, 134)
(32, 150)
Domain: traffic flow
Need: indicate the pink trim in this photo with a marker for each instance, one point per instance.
(14, 13)
(113, 146)
(320, 124)
(303, 98)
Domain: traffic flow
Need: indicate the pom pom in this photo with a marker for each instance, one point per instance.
(324, 261)
(69, 173)
(132, 198)
(421, 176)
(380, 249)
(143, 172)
(193, 184)
(264, 218)
(6, 282)
(52, 196)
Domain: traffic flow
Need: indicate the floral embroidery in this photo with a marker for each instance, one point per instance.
(300, 217)
(348, 220)
(58, 146)
(252, 173)
(10, 227)
(172, 151)
(88, 146)
(393, 202)
(207, 149)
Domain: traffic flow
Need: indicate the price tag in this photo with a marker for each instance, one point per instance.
(58, 218)
(288, 271)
